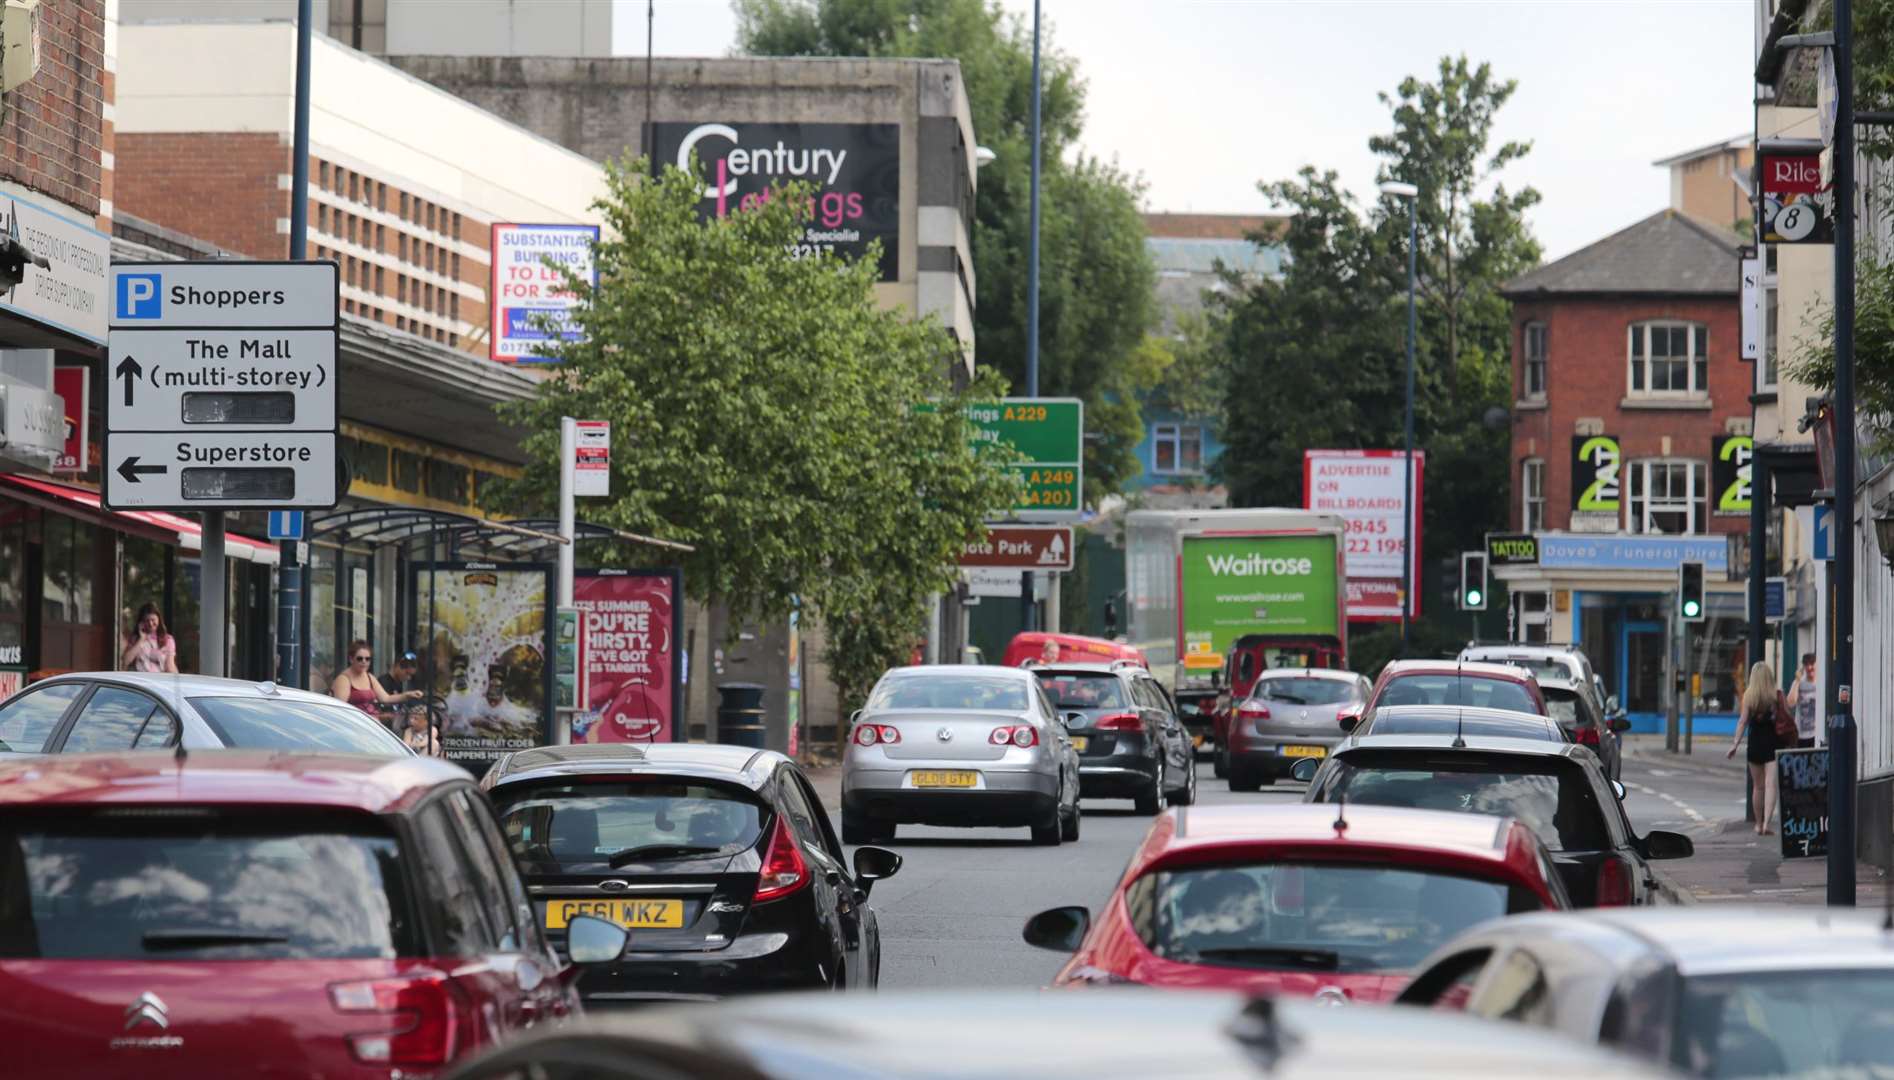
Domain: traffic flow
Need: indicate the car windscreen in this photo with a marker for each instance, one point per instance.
(1540, 667)
(190, 884)
(581, 825)
(1084, 691)
(1448, 722)
(1311, 916)
(949, 691)
(1550, 795)
(1787, 1023)
(1561, 705)
(1298, 690)
(1477, 691)
(265, 724)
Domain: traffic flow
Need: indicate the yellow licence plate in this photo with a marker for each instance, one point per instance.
(1080, 742)
(1304, 751)
(939, 778)
(630, 914)
(1197, 741)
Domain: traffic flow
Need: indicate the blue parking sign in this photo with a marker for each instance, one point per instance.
(140, 296)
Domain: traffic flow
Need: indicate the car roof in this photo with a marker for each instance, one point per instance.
(1445, 741)
(960, 1035)
(711, 761)
(172, 687)
(1084, 668)
(1719, 939)
(1308, 672)
(1474, 668)
(226, 777)
(1434, 830)
(1450, 713)
(918, 670)
(1536, 649)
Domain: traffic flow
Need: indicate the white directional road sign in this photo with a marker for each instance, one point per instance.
(223, 386)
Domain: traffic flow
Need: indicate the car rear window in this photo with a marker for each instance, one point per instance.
(560, 826)
(1561, 705)
(1787, 1023)
(145, 884)
(1551, 795)
(264, 724)
(1474, 690)
(949, 692)
(1084, 691)
(1311, 916)
(1396, 722)
(1303, 691)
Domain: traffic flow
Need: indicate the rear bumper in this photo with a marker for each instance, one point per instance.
(1118, 776)
(753, 963)
(1260, 753)
(1004, 798)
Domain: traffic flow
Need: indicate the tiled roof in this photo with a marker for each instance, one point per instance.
(1665, 254)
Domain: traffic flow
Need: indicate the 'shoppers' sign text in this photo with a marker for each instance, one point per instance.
(1365, 489)
(855, 170)
(1237, 585)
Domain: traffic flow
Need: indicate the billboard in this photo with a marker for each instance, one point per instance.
(529, 303)
(633, 655)
(487, 646)
(1730, 472)
(1237, 585)
(1597, 487)
(73, 384)
(854, 168)
(1797, 207)
(1364, 488)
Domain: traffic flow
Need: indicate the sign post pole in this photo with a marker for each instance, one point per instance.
(210, 597)
(289, 574)
(568, 523)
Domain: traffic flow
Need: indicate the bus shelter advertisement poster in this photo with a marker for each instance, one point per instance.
(855, 170)
(1237, 585)
(633, 666)
(491, 684)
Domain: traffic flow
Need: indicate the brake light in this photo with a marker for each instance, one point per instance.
(1587, 736)
(1129, 721)
(425, 1018)
(1246, 711)
(870, 734)
(1614, 883)
(783, 872)
(1020, 735)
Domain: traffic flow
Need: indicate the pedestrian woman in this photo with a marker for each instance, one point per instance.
(148, 645)
(1760, 702)
(358, 686)
(420, 735)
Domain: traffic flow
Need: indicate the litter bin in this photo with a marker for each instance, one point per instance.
(740, 714)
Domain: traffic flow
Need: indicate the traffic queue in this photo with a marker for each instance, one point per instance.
(201, 875)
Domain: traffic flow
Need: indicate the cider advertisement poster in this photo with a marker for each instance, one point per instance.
(486, 653)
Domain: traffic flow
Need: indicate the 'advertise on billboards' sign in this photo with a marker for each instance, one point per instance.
(855, 170)
(1364, 488)
(530, 303)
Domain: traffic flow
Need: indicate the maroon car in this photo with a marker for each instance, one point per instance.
(255, 913)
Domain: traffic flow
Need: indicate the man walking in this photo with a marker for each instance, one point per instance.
(1803, 701)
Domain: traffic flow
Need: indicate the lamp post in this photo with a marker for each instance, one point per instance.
(1411, 194)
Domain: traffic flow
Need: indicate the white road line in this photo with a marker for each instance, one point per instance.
(1688, 810)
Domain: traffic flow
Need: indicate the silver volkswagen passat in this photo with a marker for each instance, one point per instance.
(959, 745)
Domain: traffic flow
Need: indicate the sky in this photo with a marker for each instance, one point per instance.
(1203, 99)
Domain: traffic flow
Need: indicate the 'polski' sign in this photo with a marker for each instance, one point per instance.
(530, 303)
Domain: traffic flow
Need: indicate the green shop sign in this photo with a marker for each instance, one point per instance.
(1237, 585)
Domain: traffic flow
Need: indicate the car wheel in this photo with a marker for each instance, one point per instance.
(1046, 831)
(1069, 825)
(1220, 763)
(1243, 778)
(1149, 802)
(1188, 795)
(857, 828)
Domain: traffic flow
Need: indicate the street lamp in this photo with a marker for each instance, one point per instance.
(1398, 190)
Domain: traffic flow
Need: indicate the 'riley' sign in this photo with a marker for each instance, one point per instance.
(855, 170)
(1797, 207)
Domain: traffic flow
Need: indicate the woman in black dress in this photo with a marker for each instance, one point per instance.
(1759, 719)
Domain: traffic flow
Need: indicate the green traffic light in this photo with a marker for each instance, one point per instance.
(1474, 597)
(1691, 607)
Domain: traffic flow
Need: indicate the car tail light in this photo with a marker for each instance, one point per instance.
(784, 870)
(1614, 883)
(1000, 736)
(1587, 736)
(1020, 735)
(870, 734)
(1128, 721)
(1247, 711)
(426, 1018)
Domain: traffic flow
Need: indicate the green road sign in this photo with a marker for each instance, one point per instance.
(1049, 436)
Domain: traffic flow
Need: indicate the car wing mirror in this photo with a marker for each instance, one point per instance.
(1072, 718)
(873, 863)
(1659, 844)
(1619, 724)
(591, 940)
(1061, 929)
(1618, 790)
(1305, 770)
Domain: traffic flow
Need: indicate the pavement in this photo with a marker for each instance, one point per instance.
(1701, 795)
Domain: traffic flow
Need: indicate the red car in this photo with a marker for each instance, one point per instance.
(1307, 899)
(254, 913)
(1453, 682)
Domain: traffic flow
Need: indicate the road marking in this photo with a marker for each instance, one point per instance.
(1688, 810)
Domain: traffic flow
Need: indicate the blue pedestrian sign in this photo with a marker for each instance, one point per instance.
(286, 524)
(1824, 532)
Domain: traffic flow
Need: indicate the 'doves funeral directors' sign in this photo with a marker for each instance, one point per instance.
(222, 386)
(853, 169)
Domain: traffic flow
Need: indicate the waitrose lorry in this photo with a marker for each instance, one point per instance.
(1216, 596)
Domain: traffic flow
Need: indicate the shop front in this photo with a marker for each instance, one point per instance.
(1615, 597)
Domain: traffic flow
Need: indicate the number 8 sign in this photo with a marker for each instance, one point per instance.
(1795, 222)
(1795, 200)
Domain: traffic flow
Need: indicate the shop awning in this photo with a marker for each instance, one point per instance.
(151, 524)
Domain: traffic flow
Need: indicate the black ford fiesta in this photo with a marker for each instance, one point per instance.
(719, 860)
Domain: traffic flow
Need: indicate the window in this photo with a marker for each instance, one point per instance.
(1179, 448)
(1766, 372)
(801, 816)
(1669, 358)
(1531, 495)
(1535, 360)
(1667, 497)
(465, 921)
(26, 724)
(276, 724)
(322, 171)
(112, 720)
(1517, 990)
(1550, 795)
(486, 871)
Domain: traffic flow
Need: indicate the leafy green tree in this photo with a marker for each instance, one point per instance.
(1317, 358)
(1096, 279)
(766, 411)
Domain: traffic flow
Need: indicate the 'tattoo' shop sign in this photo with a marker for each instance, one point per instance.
(1364, 488)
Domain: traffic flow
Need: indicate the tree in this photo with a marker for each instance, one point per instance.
(766, 411)
(1327, 340)
(1096, 279)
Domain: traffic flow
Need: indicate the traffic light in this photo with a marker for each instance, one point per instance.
(1690, 591)
(1473, 581)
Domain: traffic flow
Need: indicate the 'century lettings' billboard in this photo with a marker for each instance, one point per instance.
(854, 168)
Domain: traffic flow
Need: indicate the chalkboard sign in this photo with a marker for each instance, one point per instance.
(1802, 782)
